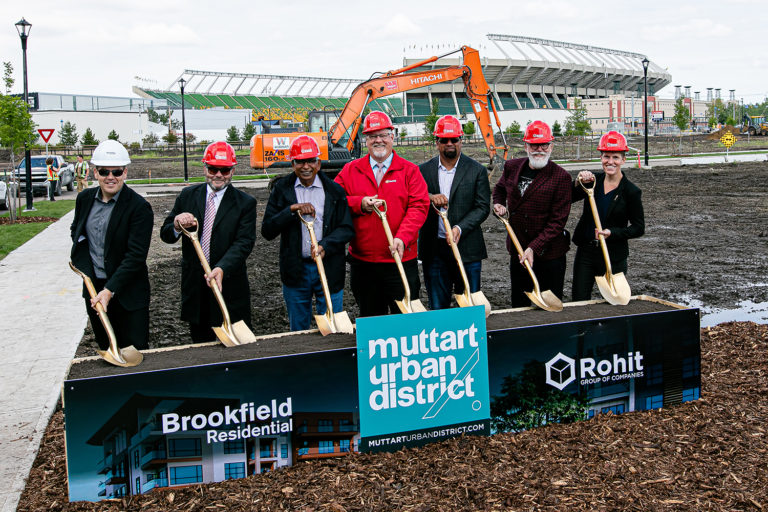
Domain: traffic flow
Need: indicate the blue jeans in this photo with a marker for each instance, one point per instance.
(442, 278)
(298, 300)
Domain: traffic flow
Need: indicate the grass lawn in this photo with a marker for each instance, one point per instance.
(16, 235)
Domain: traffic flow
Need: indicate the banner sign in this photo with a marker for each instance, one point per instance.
(425, 371)
(412, 379)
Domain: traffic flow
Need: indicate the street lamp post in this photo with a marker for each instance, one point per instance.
(645, 62)
(184, 130)
(24, 27)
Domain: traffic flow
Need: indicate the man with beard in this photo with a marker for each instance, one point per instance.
(227, 232)
(537, 195)
(383, 175)
(459, 183)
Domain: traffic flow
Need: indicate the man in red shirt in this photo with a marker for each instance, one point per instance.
(383, 175)
(537, 194)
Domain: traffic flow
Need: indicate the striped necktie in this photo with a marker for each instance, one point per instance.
(208, 216)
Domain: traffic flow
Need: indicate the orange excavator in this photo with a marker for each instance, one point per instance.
(340, 144)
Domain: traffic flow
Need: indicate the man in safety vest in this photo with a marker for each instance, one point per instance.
(81, 173)
(53, 176)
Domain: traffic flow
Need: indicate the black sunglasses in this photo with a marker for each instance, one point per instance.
(223, 170)
(446, 140)
(115, 172)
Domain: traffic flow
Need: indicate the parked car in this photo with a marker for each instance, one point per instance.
(40, 174)
(5, 200)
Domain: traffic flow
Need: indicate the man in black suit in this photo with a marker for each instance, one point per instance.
(227, 233)
(111, 232)
(460, 183)
(311, 193)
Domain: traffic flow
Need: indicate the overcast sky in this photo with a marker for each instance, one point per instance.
(92, 47)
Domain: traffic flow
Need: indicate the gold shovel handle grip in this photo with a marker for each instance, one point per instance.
(443, 213)
(520, 251)
(113, 348)
(596, 216)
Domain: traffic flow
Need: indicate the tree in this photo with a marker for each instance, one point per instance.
(68, 135)
(113, 135)
(513, 129)
(682, 115)
(717, 112)
(16, 125)
(403, 133)
(88, 138)
(526, 401)
(469, 128)
(233, 135)
(156, 117)
(8, 80)
(171, 138)
(150, 139)
(557, 129)
(576, 123)
(430, 120)
(248, 132)
(191, 138)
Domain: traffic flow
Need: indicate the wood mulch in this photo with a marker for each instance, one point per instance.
(707, 455)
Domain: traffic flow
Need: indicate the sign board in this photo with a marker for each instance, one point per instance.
(728, 140)
(422, 377)
(129, 431)
(657, 115)
(46, 133)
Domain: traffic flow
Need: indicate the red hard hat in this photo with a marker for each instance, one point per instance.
(376, 121)
(613, 141)
(538, 132)
(219, 154)
(304, 147)
(448, 126)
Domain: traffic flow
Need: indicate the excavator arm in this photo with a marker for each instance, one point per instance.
(399, 80)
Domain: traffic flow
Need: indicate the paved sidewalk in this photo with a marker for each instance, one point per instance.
(43, 321)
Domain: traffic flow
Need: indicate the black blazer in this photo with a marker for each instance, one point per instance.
(337, 230)
(624, 217)
(232, 240)
(125, 247)
(468, 206)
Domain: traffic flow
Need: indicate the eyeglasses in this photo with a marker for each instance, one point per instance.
(224, 171)
(539, 146)
(308, 161)
(115, 172)
(446, 140)
(381, 136)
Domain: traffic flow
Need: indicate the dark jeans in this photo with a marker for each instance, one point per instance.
(442, 277)
(549, 273)
(298, 300)
(131, 327)
(51, 190)
(376, 286)
(589, 262)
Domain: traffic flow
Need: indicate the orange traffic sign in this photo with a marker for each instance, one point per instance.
(46, 133)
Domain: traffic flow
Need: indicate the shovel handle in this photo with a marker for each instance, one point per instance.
(320, 269)
(519, 249)
(390, 240)
(192, 235)
(596, 216)
(456, 254)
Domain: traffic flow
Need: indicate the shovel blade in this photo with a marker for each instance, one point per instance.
(225, 336)
(242, 333)
(338, 323)
(614, 288)
(473, 299)
(126, 357)
(414, 306)
(546, 300)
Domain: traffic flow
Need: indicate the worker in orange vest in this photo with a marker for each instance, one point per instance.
(53, 177)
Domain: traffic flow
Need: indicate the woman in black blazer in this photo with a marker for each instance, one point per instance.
(620, 208)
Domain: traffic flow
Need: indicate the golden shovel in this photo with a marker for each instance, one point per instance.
(545, 300)
(465, 299)
(127, 356)
(329, 322)
(229, 334)
(613, 287)
(406, 305)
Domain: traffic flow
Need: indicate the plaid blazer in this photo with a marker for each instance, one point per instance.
(538, 217)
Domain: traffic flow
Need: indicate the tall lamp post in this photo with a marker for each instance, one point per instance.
(645, 105)
(24, 27)
(184, 130)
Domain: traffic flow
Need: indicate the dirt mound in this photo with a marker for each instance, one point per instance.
(722, 131)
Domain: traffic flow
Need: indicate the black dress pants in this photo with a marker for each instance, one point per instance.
(549, 273)
(376, 286)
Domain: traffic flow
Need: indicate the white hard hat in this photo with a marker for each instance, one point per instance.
(110, 153)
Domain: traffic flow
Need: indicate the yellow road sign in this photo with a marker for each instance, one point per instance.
(728, 139)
